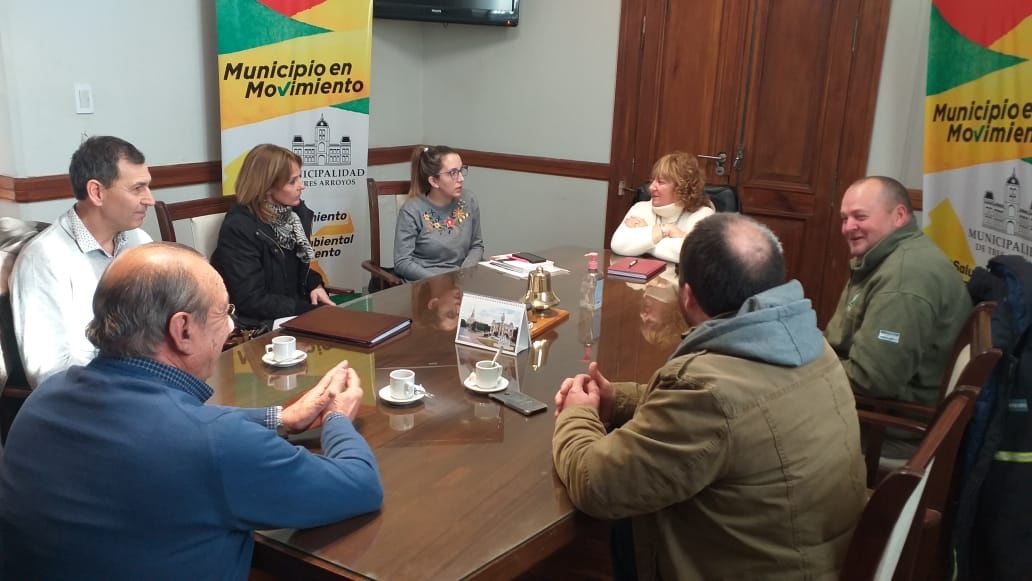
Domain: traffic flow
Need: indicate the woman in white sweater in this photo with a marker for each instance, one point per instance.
(659, 227)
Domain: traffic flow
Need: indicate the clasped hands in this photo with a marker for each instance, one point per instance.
(340, 390)
(591, 389)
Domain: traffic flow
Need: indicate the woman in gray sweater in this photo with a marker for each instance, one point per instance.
(439, 225)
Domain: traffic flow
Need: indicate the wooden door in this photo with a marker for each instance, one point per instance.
(780, 87)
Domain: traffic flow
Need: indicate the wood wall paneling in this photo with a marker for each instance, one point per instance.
(390, 155)
(916, 199)
(56, 187)
(6, 188)
(539, 165)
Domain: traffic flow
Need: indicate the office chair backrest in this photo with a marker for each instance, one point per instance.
(14, 235)
(973, 353)
(376, 190)
(14, 388)
(205, 216)
(724, 197)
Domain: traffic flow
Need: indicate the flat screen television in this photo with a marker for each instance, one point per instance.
(487, 12)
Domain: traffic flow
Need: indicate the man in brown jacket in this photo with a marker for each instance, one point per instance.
(741, 458)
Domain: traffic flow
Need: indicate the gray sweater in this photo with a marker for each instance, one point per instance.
(433, 239)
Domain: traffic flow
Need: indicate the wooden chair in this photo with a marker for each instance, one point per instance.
(205, 216)
(887, 538)
(973, 359)
(382, 277)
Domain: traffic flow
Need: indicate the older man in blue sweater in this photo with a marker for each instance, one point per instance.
(117, 470)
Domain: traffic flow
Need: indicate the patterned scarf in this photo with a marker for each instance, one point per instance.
(290, 235)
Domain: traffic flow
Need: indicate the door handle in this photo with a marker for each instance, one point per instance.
(720, 158)
(622, 187)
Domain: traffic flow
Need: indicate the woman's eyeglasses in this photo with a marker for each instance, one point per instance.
(454, 173)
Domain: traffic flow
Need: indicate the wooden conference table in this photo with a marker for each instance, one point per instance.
(470, 490)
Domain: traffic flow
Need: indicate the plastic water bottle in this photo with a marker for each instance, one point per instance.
(591, 287)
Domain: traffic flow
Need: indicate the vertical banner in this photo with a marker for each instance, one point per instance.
(295, 73)
(978, 130)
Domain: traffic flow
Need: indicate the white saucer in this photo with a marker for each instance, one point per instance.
(471, 384)
(298, 357)
(385, 395)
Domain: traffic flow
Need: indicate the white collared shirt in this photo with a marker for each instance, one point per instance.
(52, 288)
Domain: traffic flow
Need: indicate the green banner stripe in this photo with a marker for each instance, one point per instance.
(953, 60)
(1006, 456)
(356, 106)
(247, 24)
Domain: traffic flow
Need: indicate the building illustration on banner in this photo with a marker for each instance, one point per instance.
(1006, 216)
(322, 151)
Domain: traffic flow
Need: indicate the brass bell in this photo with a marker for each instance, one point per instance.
(539, 291)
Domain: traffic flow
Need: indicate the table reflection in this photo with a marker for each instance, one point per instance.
(661, 321)
(435, 302)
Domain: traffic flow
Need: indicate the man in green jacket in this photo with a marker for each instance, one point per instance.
(740, 459)
(904, 304)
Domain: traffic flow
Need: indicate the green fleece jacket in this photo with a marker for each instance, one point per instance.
(898, 317)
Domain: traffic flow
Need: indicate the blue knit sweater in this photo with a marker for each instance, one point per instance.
(118, 470)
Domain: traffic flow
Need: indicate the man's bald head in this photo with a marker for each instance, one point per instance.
(728, 258)
(139, 293)
(890, 192)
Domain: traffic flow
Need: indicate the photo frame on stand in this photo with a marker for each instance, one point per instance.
(489, 323)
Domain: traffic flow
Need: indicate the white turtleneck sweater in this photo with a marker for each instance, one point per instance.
(637, 241)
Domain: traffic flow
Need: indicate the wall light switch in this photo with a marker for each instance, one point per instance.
(83, 99)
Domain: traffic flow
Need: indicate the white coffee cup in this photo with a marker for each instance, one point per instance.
(282, 348)
(282, 382)
(486, 411)
(403, 383)
(403, 423)
(488, 373)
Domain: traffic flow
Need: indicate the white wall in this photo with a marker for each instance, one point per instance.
(487, 88)
(538, 89)
(151, 66)
(532, 90)
(897, 140)
(545, 88)
(7, 163)
(396, 89)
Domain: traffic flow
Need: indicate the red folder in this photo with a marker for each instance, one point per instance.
(636, 268)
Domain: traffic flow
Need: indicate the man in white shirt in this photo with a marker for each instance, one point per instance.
(56, 274)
